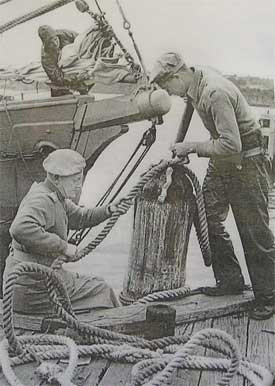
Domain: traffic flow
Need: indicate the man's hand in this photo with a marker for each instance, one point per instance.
(117, 205)
(182, 149)
(69, 256)
(71, 252)
(59, 261)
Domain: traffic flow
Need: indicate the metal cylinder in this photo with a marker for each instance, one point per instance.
(153, 103)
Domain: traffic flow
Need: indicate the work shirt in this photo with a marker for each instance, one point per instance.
(42, 221)
(50, 57)
(224, 112)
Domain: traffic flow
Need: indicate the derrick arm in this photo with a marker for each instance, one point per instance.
(126, 109)
(108, 118)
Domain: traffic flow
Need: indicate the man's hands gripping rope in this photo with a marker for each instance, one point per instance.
(71, 253)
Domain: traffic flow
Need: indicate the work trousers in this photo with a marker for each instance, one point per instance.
(245, 188)
(31, 295)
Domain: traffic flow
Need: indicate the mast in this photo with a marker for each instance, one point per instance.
(31, 15)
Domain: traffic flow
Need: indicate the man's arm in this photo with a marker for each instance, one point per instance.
(30, 226)
(80, 217)
(54, 72)
(185, 122)
(229, 140)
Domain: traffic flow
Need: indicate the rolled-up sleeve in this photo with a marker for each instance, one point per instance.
(224, 118)
(81, 217)
(31, 227)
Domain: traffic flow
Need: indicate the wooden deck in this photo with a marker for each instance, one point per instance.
(256, 339)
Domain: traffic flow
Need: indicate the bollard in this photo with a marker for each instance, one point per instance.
(160, 321)
(160, 237)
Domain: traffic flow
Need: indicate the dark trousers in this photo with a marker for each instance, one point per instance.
(245, 189)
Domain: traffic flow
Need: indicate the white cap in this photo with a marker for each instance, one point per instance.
(167, 64)
(64, 162)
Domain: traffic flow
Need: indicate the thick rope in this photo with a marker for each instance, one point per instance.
(201, 223)
(200, 220)
(96, 334)
(149, 363)
(159, 364)
(167, 295)
(63, 377)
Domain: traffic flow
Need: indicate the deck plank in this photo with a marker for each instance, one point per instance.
(192, 377)
(131, 319)
(25, 373)
(93, 373)
(261, 342)
(118, 374)
(236, 326)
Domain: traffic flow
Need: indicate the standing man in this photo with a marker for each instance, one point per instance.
(39, 234)
(53, 41)
(236, 176)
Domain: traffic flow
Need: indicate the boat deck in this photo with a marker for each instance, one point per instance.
(256, 339)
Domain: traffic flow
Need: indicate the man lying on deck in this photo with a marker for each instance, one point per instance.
(39, 234)
(236, 176)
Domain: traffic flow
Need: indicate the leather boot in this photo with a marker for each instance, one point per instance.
(230, 287)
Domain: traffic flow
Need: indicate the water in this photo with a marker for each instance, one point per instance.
(110, 258)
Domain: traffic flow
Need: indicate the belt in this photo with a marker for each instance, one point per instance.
(26, 256)
(252, 152)
(238, 157)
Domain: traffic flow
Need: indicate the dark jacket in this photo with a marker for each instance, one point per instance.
(50, 57)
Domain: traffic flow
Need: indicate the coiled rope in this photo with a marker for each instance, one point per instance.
(153, 367)
(96, 334)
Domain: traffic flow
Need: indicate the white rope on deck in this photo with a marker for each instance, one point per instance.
(152, 368)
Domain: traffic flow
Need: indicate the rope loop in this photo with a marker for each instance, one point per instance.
(155, 360)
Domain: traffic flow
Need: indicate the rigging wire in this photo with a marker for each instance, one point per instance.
(127, 27)
(147, 140)
(126, 54)
(98, 6)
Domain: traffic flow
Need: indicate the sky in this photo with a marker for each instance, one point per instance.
(234, 36)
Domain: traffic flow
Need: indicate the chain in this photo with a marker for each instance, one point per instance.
(147, 140)
(127, 27)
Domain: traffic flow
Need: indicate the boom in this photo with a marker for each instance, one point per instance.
(31, 15)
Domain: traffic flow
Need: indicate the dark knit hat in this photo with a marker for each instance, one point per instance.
(46, 33)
